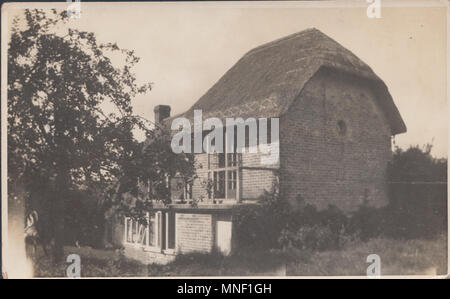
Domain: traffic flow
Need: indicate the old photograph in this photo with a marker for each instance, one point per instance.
(224, 139)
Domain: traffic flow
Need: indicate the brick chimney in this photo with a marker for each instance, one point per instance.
(161, 112)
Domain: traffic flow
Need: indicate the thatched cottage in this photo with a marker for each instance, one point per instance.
(336, 121)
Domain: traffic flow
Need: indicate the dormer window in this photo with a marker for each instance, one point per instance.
(342, 128)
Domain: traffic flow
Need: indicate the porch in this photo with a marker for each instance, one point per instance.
(176, 229)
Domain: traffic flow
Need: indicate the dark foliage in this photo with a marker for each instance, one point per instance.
(62, 141)
(274, 224)
(417, 209)
(418, 194)
(260, 225)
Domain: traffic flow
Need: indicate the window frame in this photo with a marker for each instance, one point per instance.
(166, 249)
(231, 164)
(156, 236)
(161, 232)
(129, 229)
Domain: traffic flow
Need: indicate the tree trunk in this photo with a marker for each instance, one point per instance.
(60, 193)
(57, 218)
(61, 188)
(106, 239)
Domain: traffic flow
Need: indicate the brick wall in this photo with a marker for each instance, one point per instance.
(254, 180)
(194, 232)
(329, 165)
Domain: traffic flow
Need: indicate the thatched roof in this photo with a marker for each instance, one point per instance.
(266, 80)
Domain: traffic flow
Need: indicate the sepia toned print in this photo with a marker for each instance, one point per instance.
(275, 139)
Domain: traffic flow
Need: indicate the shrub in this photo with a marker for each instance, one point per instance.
(415, 210)
(367, 222)
(418, 194)
(273, 224)
(308, 228)
(259, 226)
(318, 237)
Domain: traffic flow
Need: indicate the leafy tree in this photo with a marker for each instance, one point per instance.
(416, 164)
(154, 183)
(418, 193)
(60, 137)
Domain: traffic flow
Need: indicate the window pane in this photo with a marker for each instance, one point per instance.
(156, 231)
(232, 160)
(151, 228)
(188, 190)
(232, 180)
(171, 229)
(221, 157)
(219, 184)
(141, 233)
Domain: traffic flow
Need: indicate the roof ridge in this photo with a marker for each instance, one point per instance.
(282, 39)
(262, 73)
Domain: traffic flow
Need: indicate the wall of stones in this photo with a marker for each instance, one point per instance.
(194, 232)
(335, 144)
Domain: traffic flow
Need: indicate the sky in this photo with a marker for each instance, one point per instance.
(186, 47)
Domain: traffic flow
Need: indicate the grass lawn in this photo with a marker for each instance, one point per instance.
(398, 257)
(411, 257)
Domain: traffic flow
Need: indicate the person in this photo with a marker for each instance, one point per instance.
(31, 231)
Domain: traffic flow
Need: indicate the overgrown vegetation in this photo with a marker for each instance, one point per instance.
(418, 194)
(71, 148)
(417, 209)
(398, 257)
(409, 235)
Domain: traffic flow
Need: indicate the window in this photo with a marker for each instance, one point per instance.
(219, 184)
(152, 230)
(157, 234)
(223, 171)
(232, 159)
(135, 231)
(170, 230)
(142, 232)
(232, 180)
(342, 128)
(221, 159)
(188, 190)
